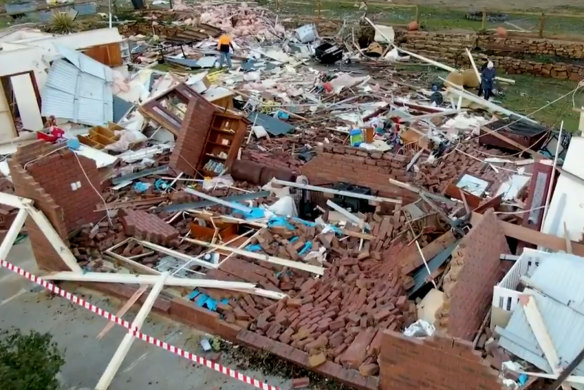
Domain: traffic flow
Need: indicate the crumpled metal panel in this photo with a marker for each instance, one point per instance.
(86, 64)
(82, 95)
(558, 289)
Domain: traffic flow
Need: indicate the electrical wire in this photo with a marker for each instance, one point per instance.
(518, 212)
(107, 210)
(572, 92)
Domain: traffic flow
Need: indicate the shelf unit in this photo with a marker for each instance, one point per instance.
(222, 143)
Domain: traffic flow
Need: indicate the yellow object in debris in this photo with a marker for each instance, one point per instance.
(467, 78)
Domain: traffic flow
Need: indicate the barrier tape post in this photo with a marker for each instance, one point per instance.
(135, 332)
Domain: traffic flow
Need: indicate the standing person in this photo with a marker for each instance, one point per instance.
(224, 45)
(488, 80)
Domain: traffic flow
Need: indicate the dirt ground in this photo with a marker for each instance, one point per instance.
(524, 5)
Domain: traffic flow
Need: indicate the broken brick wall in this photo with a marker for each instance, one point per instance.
(474, 270)
(193, 133)
(357, 166)
(48, 185)
(436, 363)
(451, 166)
(62, 177)
(516, 54)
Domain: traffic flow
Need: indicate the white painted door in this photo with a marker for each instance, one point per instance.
(7, 129)
(28, 107)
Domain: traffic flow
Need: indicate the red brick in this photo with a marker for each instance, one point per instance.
(381, 315)
(369, 369)
(337, 324)
(300, 383)
(357, 351)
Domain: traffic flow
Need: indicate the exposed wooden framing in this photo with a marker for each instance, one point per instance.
(262, 257)
(429, 61)
(124, 347)
(53, 237)
(12, 233)
(537, 324)
(363, 236)
(171, 281)
(178, 255)
(335, 192)
(133, 265)
(567, 238)
(567, 371)
(533, 153)
(548, 197)
(417, 190)
(243, 245)
(13, 200)
(222, 202)
(225, 218)
(352, 218)
(472, 63)
(123, 310)
(103, 277)
(571, 378)
(458, 91)
(534, 237)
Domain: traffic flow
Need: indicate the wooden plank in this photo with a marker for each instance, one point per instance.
(413, 260)
(8, 241)
(567, 238)
(102, 277)
(538, 326)
(472, 63)
(534, 237)
(352, 218)
(533, 153)
(123, 310)
(54, 239)
(178, 255)
(263, 257)
(124, 347)
(457, 90)
(334, 192)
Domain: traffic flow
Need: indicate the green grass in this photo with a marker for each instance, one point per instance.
(530, 93)
(431, 18)
(527, 95)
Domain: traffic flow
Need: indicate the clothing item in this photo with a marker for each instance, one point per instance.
(224, 43)
(487, 82)
(225, 57)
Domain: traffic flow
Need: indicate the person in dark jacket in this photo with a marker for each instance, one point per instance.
(488, 80)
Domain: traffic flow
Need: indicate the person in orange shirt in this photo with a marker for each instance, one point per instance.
(223, 45)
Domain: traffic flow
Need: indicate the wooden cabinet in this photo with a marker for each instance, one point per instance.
(222, 144)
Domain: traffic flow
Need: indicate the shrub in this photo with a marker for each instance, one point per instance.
(29, 361)
(62, 23)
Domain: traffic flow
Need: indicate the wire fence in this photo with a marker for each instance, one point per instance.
(537, 24)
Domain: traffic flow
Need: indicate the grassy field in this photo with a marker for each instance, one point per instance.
(526, 96)
(530, 93)
(432, 18)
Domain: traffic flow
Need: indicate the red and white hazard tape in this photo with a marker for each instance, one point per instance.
(135, 332)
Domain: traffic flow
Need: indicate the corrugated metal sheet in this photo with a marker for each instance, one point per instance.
(63, 77)
(559, 297)
(86, 64)
(78, 90)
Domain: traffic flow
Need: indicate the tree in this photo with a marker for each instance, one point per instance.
(29, 361)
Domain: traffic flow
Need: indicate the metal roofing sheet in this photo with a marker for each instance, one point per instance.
(559, 296)
(63, 76)
(86, 64)
(58, 103)
(72, 93)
